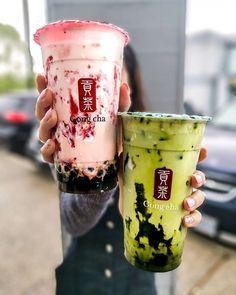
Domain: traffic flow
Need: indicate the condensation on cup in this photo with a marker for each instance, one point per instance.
(82, 62)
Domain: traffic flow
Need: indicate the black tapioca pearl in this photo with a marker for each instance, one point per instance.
(180, 157)
(137, 156)
(148, 150)
(195, 125)
(158, 152)
(73, 175)
(187, 182)
(161, 217)
(141, 120)
(67, 168)
(100, 173)
(163, 138)
(111, 171)
(155, 145)
(192, 146)
(160, 160)
(148, 121)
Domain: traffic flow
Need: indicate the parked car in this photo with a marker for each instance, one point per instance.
(17, 119)
(219, 210)
(33, 147)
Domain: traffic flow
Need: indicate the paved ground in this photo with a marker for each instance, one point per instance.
(208, 268)
(30, 246)
(29, 229)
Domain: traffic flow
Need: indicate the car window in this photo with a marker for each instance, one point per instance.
(29, 105)
(9, 103)
(226, 118)
(17, 104)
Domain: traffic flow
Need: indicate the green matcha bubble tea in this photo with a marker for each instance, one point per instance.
(160, 155)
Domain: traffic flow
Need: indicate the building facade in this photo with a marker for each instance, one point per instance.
(210, 65)
(157, 32)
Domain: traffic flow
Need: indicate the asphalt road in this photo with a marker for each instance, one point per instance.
(30, 246)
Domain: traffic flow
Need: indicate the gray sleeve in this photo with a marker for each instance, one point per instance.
(81, 212)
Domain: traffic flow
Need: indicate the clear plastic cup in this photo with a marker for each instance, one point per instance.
(160, 155)
(82, 62)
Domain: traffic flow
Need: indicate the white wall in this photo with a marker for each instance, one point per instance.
(205, 83)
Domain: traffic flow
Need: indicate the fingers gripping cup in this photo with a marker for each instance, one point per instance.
(82, 62)
(160, 155)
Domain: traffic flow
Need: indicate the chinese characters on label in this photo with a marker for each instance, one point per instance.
(87, 95)
(162, 184)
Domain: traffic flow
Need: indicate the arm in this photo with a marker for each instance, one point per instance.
(80, 213)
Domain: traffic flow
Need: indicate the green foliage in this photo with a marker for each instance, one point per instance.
(30, 82)
(9, 82)
(10, 33)
(10, 40)
(10, 78)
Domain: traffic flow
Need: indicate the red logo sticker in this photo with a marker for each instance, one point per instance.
(87, 95)
(162, 184)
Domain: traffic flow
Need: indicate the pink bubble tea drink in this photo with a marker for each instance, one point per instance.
(82, 62)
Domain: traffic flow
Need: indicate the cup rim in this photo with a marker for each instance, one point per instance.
(67, 24)
(164, 116)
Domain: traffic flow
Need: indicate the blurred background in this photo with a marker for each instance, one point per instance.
(187, 54)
